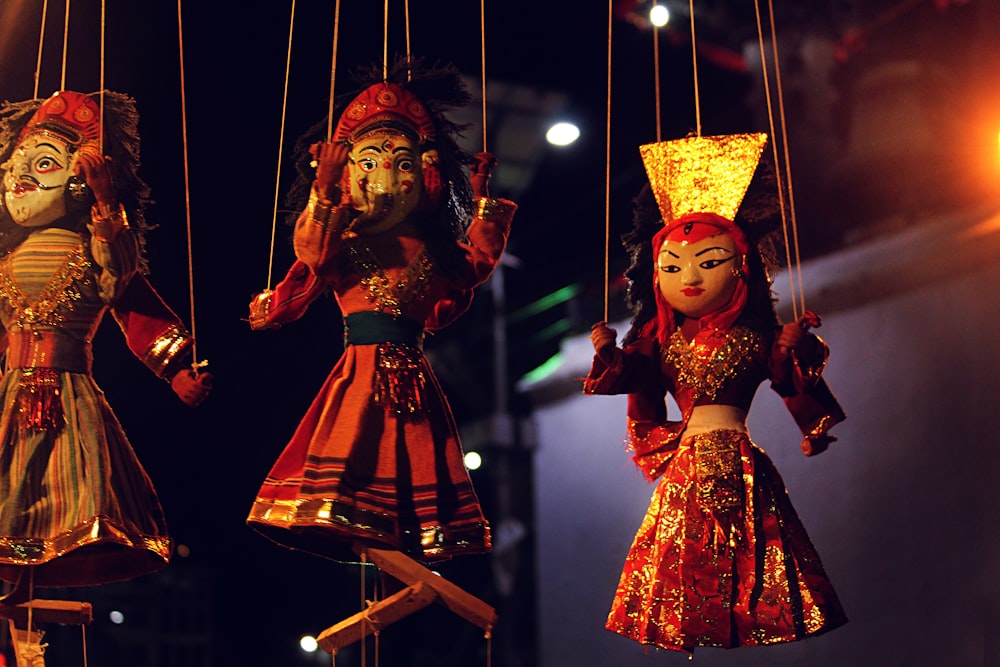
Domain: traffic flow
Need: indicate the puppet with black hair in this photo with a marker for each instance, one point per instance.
(721, 558)
(76, 506)
(401, 235)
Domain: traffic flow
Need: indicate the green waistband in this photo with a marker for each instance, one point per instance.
(371, 327)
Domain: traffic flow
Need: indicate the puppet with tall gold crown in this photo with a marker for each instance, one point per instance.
(721, 558)
(76, 506)
(394, 228)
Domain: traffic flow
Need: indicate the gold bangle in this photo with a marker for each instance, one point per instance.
(321, 211)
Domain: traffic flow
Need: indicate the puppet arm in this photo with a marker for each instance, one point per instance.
(796, 367)
(156, 335)
(490, 225)
(487, 236)
(319, 227)
(112, 244)
(288, 301)
(487, 239)
(633, 369)
(117, 257)
(317, 236)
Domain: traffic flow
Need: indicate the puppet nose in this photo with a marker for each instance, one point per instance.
(690, 275)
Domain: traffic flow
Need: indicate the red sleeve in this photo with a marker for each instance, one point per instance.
(153, 332)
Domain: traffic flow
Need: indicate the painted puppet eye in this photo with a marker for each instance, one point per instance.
(47, 164)
(712, 263)
(367, 164)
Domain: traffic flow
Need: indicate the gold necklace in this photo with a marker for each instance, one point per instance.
(61, 290)
(384, 293)
(705, 367)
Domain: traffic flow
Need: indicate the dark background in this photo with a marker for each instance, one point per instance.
(208, 463)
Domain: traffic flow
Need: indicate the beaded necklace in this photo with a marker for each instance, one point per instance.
(706, 366)
(61, 290)
(384, 293)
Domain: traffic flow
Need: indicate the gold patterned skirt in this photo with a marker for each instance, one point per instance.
(721, 558)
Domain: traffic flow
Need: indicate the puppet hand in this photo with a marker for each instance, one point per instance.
(793, 333)
(93, 167)
(330, 162)
(191, 387)
(479, 173)
(260, 306)
(790, 338)
(603, 337)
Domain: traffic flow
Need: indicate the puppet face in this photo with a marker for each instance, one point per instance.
(386, 183)
(698, 278)
(35, 180)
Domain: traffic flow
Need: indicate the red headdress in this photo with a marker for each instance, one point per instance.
(73, 117)
(385, 106)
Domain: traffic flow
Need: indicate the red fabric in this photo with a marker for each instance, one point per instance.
(356, 470)
(726, 565)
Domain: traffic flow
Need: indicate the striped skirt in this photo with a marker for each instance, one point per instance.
(75, 503)
(376, 460)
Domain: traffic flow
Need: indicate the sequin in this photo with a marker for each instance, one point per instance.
(702, 174)
(706, 367)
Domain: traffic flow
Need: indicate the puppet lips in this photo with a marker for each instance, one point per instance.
(692, 291)
(25, 185)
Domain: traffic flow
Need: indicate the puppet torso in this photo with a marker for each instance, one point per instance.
(725, 372)
(387, 273)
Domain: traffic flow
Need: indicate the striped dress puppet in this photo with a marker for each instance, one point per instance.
(76, 506)
(721, 558)
(396, 231)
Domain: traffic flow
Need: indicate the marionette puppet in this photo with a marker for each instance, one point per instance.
(721, 558)
(76, 506)
(396, 231)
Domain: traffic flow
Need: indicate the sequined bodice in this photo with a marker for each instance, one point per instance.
(48, 284)
(725, 371)
(390, 274)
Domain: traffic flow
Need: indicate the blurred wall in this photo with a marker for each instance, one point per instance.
(902, 508)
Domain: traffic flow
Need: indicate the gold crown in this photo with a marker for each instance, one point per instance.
(702, 174)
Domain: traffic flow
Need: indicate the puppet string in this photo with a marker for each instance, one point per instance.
(333, 70)
(482, 60)
(406, 12)
(656, 75)
(100, 128)
(788, 165)
(787, 235)
(281, 143)
(187, 185)
(41, 43)
(607, 169)
(694, 65)
(385, 40)
(62, 80)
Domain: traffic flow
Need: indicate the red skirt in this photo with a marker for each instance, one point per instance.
(377, 460)
(721, 558)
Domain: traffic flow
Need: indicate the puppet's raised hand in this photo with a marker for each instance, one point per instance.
(479, 173)
(93, 167)
(191, 387)
(108, 219)
(788, 353)
(603, 337)
(793, 333)
(330, 162)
